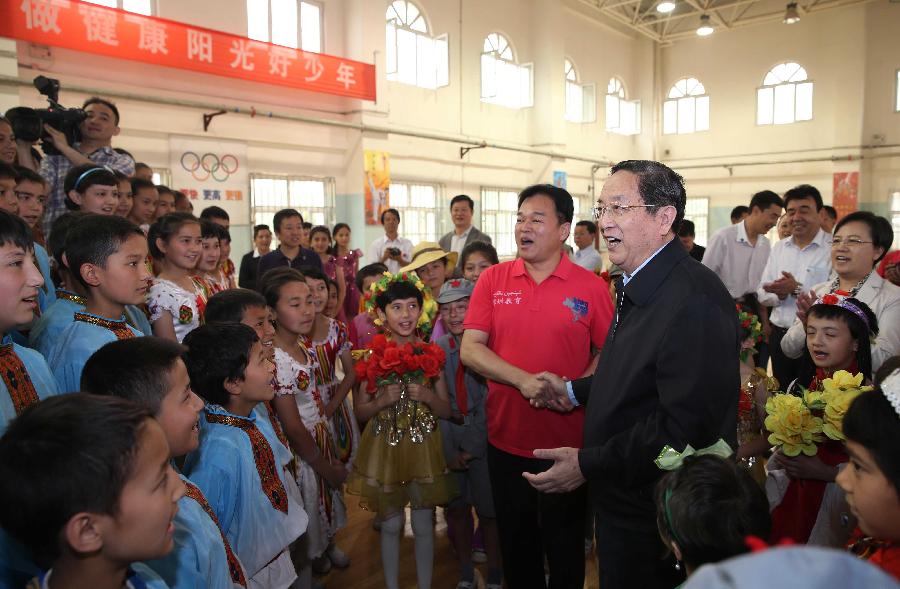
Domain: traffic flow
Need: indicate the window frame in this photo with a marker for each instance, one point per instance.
(894, 212)
(765, 86)
(897, 91)
(704, 216)
(498, 237)
(621, 96)
(588, 107)
(317, 3)
(441, 64)
(497, 56)
(329, 211)
(163, 175)
(676, 102)
(406, 211)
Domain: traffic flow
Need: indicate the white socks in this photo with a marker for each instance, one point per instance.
(423, 530)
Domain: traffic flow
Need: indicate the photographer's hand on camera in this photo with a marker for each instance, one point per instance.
(59, 141)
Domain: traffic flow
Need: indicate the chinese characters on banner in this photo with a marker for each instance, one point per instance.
(845, 198)
(377, 184)
(212, 172)
(114, 33)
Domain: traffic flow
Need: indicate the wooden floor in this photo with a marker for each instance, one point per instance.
(361, 542)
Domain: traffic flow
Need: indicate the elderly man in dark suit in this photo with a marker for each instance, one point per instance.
(668, 376)
(461, 210)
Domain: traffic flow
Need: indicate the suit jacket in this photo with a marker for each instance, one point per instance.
(474, 235)
(668, 375)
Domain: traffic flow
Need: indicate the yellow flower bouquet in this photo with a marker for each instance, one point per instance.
(798, 422)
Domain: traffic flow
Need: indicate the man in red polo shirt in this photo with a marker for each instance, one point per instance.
(539, 312)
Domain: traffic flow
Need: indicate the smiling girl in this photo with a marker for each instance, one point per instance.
(92, 189)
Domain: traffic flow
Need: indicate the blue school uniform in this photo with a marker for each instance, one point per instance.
(139, 577)
(59, 315)
(241, 467)
(25, 379)
(202, 556)
(47, 294)
(87, 334)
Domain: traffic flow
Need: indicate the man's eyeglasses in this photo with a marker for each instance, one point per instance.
(616, 210)
(849, 242)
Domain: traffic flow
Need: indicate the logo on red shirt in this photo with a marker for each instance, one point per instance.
(578, 307)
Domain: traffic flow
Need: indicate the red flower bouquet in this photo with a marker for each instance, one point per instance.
(389, 362)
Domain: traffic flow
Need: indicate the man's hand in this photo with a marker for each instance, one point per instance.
(564, 476)
(57, 138)
(782, 287)
(533, 387)
(554, 396)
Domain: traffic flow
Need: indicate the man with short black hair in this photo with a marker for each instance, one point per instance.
(795, 265)
(587, 255)
(739, 213)
(829, 218)
(288, 227)
(95, 147)
(686, 235)
(390, 249)
(537, 312)
(462, 207)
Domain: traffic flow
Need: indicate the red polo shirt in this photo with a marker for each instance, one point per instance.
(536, 327)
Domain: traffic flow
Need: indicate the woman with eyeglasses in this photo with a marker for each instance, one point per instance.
(860, 241)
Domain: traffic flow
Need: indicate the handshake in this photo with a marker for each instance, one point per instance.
(546, 390)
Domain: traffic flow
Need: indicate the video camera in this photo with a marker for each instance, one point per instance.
(28, 123)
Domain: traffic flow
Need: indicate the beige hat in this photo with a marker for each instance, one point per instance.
(425, 253)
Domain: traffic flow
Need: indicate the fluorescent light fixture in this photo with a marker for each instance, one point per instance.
(705, 29)
(791, 15)
(666, 6)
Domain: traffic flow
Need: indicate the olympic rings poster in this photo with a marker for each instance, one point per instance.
(212, 172)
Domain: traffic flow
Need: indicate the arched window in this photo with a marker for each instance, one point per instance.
(686, 108)
(785, 97)
(412, 56)
(581, 101)
(622, 116)
(503, 80)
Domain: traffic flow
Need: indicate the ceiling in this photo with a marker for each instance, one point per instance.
(682, 23)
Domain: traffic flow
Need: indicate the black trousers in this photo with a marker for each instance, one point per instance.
(632, 557)
(785, 369)
(536, 525)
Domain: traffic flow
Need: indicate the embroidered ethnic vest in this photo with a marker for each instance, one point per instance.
(119, 328)
(15, 376)
(234, 566)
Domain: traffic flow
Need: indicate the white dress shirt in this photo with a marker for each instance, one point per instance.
(882, 297)
(809, 266)
(738, 262)
(589, 258)
(382, 243)
(458, 242)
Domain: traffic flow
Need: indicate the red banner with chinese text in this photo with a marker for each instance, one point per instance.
(72, 24)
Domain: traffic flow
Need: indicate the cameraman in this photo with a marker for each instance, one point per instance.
(97, 131)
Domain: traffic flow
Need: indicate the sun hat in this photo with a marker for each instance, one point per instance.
(425, 253)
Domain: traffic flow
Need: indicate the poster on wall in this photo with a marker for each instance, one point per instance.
(377, 168)
(560, 179)
(845, 198)
(212, 172)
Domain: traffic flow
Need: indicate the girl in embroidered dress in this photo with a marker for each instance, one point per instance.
(303, 413)
(207, 269)
(390, 474)
(838, 335)
(176, 299)
(320, 242)
(872, 479)
(329, 341)
(348, 261)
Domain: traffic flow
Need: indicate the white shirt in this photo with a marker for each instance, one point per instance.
(738, 262)
(458, 242)
(382, 243)
(626, 278)
(883, 298)
(809, 266)
(589, 258)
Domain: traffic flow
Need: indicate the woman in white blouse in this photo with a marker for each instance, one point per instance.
(860, 241)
